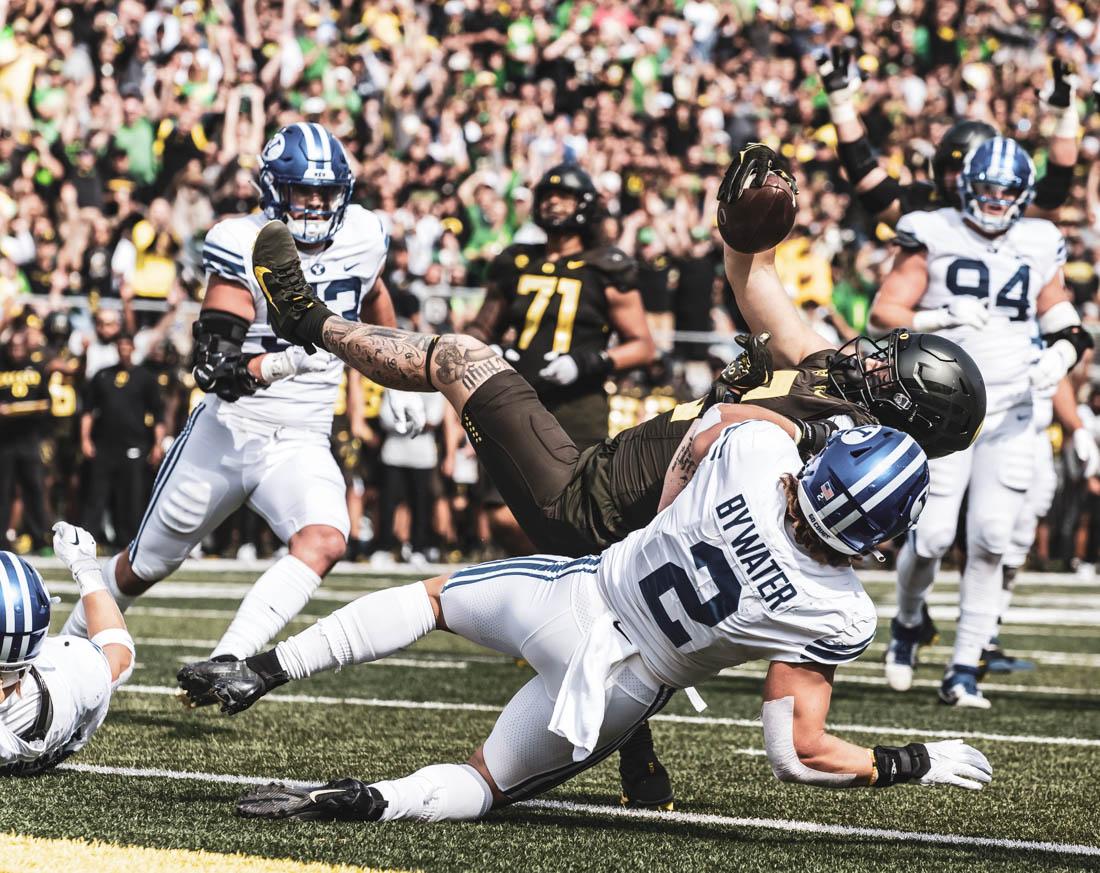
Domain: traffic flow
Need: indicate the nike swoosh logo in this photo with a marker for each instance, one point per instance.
(347, 267)
(259, 273)
(321, 792)
(76, 539)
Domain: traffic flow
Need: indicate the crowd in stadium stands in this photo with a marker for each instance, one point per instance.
(127, 128)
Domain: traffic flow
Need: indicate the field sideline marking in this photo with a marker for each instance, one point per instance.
(807, 827)
(1025, 739)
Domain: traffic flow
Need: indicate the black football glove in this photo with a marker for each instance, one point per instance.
(751, 167)
(750, 369)
(1058, 92)
(229, 378)
(834, 65)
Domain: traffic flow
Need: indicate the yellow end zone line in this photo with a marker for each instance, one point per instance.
(785, 826)
(42, 855)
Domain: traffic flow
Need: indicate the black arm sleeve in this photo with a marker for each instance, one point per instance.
(1052, 190)
(219, 365)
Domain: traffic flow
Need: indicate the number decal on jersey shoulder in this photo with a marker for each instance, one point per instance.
(544, 288)
(971, 278)
(710, 612)
(779, 385)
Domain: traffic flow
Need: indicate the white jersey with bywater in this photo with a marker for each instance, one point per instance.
(78, 679)
(1005, 272)
(715, 579)
(341, 275)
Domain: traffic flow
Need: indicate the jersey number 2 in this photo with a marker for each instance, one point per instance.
(544, 288)
(970, 277)
(710, 612)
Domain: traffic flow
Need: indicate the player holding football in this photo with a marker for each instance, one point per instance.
(985, 277)
(261, 436)
(55, 691)
(751, 561)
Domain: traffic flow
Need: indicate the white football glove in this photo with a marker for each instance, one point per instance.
(282, 365)
(953, 762)
(960, 312)
(407, 409)
(76, 547)
(562, 369)
(1084, 446)
(1054, 362)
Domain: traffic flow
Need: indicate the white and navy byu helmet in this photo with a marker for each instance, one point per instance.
(24, 613)
(866, 486)
(306, 155)
(997, 171)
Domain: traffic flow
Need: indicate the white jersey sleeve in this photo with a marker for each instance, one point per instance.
(341, 274)
(716, 580)
(77, 679)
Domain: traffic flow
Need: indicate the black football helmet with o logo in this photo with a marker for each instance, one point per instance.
(571, 179)
(947, 162)
(920, 383)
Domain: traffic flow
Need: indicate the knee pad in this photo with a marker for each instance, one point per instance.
(185, 509)
(931, 542)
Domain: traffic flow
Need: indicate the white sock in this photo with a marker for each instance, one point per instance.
(915, 578)
(276, 597)
(441, 792)
(1008, 584)
(372, 627)
(979, 602)
(77, 623)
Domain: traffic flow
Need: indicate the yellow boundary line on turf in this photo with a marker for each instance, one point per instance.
(41, 855)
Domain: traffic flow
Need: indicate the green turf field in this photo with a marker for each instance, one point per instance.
(159, 776)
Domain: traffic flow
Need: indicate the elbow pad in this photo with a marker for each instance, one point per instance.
(778, 718)
(1061, 322)
(1052, 190)
(219, 365)
(121, 637)
(856, 158)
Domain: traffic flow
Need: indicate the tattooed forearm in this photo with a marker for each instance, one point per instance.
(465, 360)
(393, 358)
(681, 469)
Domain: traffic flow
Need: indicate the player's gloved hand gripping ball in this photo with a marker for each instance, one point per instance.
(757, 200)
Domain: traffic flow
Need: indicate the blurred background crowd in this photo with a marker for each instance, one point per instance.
(128, 128)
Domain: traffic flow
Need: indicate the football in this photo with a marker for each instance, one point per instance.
(760, 218)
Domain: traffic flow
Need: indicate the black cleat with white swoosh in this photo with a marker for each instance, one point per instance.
(338, 800)
(293, 310)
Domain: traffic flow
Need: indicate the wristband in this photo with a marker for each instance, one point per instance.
(275, 366)
(843, 111)
(895, 766)
(88, 576)
(1068, 123)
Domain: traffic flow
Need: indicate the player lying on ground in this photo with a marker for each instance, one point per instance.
(54, 691)
(752, 561)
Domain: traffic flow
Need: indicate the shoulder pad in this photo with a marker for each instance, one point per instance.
(907, 240)
(611, 260)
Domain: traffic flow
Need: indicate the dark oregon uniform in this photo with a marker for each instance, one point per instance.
(354, 458)
(574, 502)
(561, 306)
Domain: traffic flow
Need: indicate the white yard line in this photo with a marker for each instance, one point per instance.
(785, 825)
(1024, 739)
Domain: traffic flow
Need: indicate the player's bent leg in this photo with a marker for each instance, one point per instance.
(301, 495)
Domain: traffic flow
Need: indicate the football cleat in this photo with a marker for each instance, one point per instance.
(644, 778)
(293, 310)
(960, 688)
(236, 685)
(208, 699)
(338, 800)
(996, 660)
(901, 655)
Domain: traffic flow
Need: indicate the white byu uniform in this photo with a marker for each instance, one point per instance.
(270, 450)
(1008, 273)
(78, 683)
(713, 581)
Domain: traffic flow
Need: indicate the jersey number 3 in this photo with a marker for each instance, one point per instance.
(544, 288)
(710, 612)
(970, 277)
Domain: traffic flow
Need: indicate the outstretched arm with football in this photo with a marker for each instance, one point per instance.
(756, 211)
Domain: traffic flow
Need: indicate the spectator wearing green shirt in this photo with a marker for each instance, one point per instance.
(136, 136)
